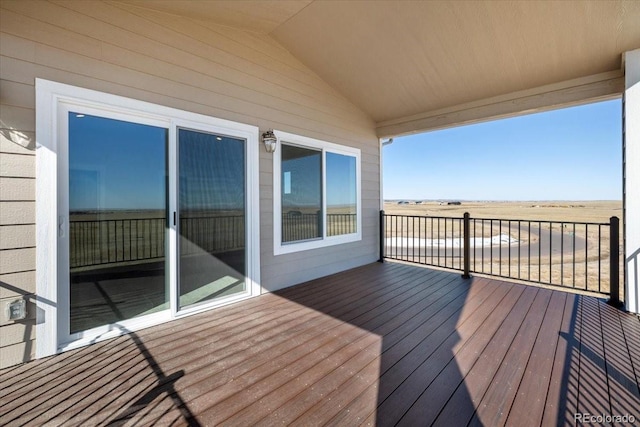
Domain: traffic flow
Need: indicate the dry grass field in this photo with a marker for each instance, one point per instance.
(585, 268)
(578, 211)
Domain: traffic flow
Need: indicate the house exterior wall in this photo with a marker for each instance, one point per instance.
(167, 60)
(632, 179)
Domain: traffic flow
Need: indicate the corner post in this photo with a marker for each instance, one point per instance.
(382, 238)
(467, 246)
(631, 180)
(614, 262)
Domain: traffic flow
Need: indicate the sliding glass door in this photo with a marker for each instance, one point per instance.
(157, 221)
(211, 217)
(118, 221)
(144, 213)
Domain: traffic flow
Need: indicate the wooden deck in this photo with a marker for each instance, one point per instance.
(384, 344)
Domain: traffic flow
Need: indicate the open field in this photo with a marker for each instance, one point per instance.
(578, 211)
(586, 267)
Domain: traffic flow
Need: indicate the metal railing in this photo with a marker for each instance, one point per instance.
(112, 241)
(212, 234)
(342, 223)
(305, 226)
(116, 241)
(301, 226)
(577, 255)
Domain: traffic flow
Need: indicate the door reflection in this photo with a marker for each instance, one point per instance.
(211, 200)
(117, 220)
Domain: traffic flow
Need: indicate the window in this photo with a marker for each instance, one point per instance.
(316, 194)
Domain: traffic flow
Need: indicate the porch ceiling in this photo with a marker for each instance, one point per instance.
(402, 61)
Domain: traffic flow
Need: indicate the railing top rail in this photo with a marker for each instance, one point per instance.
(112, 219)
(544, 221)
(424, 216)
(154, 218)
(212, 217)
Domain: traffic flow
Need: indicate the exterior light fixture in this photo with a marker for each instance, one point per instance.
(270, 141)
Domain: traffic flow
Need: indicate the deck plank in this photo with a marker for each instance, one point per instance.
(623, 386)
(526, 410)
(500, 363)
(437, 377)
(408, 353)
(561, 401)
(381, 344)
(431, 402)
(631, 332)
(382, 322)
(395, 347)
(223, 372)
(593, 390)
(494, 407)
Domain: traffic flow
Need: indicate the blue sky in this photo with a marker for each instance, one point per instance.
(569, 154)
(115, 164)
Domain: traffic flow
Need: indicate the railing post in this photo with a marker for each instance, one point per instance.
(467, 246)
(614, 262)
(382, 238)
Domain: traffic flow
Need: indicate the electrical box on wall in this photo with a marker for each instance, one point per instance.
(16, 310)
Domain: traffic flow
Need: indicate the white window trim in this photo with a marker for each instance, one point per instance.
(52, 98)
(290, 247)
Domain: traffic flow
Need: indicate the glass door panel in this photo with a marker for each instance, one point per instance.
(342, 199)
(301, 193)
(212, 217)
(117, 220)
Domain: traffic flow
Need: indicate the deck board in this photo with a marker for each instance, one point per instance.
(383, 344)
(465, 376)
(562, 392)
(437, 377)
(593, 390)
(535, 381)
(623, 387)
(500, 391)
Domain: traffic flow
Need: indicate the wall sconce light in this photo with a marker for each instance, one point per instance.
(270, 141)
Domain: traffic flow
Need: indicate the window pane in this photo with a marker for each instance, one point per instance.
(117, 220)
(341, 194)
(212, 216)
(301, 193)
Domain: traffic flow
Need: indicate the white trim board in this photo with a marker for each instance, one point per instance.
(584, 90)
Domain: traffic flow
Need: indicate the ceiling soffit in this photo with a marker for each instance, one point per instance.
(251, 15)
(397, 59)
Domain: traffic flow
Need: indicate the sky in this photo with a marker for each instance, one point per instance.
(568, 154)
(301, 176)
(115, 164)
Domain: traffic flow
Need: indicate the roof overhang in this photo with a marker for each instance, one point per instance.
(416, 66)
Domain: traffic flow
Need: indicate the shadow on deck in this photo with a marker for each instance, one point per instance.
(383, 344)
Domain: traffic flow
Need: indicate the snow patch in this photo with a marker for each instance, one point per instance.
(476, 242)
